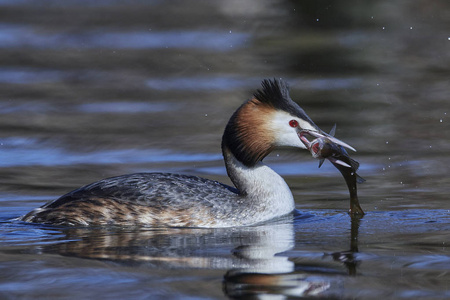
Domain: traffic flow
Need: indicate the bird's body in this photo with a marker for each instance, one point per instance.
(156, 199)
(268, 120)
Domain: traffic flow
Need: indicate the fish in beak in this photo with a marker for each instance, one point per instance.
(326, 146)
(320, 134)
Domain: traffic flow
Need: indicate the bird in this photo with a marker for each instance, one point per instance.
(269, 119)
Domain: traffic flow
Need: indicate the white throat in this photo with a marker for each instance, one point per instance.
(263, 189)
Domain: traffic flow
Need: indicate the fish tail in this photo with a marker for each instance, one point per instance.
(359, 179)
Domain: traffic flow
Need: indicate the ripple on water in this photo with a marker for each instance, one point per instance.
(30, 153)
(126, 107)
(229, 83)
(12, 36)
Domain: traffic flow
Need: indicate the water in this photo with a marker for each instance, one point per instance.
(91, 89)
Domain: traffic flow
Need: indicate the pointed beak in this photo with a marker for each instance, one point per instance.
(320, 134)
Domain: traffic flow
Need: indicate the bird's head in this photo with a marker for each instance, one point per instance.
(268, 120)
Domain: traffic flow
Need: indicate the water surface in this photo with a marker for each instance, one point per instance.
(91, 89)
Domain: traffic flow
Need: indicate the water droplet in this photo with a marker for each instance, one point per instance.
(440, 120)
(206, 115)
(387, 142)
(384, 28)
(317, 20)
(410, 27)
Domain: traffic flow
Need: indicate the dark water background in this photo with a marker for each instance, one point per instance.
(91, 89)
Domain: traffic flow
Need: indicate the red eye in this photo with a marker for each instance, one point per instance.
(293, 123)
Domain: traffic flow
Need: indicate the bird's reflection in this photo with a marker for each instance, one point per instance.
(252, 257)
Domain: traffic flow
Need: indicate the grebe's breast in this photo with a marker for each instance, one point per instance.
(153, 199)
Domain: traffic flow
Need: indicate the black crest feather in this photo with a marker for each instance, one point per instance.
(276, 94)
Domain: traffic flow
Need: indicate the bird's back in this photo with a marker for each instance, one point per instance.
(154, 199)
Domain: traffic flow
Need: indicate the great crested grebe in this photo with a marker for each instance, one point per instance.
(269, 119)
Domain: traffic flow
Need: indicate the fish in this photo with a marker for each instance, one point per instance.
(323, 148)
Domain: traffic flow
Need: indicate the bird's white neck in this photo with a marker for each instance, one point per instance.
(262, 188)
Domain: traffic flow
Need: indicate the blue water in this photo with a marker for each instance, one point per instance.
(92, 89)
(28, 37)
(294, 254)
